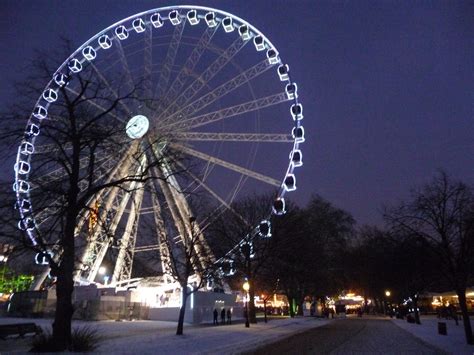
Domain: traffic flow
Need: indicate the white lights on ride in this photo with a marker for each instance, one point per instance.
(174, 17)
(211, 19)
(192, 17)
(138, 25)
(121, 32)
(156, 20)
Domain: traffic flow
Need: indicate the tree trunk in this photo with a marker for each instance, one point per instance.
(415, 308)
(291, 302)
(465, 316)
(64, 311)
(252, 313)
(182, 310)
(65, 288)
(300, 304)
(265, 310)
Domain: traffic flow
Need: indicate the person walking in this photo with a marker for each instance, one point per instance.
(223, 316)
(215, 317)
(229, 316)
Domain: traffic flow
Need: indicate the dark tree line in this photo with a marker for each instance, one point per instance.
(426, 244)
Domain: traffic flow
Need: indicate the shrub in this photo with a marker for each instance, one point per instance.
(83, 339)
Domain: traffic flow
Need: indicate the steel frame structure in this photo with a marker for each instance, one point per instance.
(188, 100)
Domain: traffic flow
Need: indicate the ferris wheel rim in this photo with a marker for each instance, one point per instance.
(79, 50)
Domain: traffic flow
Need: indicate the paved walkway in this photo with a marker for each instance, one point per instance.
(352, 336)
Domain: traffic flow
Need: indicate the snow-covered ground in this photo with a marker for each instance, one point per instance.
(454, 342)
(152, 337)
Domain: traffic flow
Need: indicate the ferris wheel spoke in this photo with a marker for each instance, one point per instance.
(96, 105)
(147, 62)
(233, 137)
(231, 166)
(215, 195)
(109, 87)
(220, 91)
(124, 63)
(188, 94)
(190, 64)
(169, 61)
(211, 117)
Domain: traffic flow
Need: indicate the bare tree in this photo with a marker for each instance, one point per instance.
(81, 154)
(442, 213)
(189, 261)
(240, 236)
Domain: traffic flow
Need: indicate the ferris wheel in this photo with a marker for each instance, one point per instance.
(187, 81)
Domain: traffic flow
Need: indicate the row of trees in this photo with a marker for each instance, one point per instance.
(426, 244)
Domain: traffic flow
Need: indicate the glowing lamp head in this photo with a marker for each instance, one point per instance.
(246, 286)
(387, 293)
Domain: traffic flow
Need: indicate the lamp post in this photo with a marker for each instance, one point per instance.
(387, 295)
(246, 287)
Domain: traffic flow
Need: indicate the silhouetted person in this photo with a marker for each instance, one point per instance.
(223, 316)
(229, 316)
(215, 317)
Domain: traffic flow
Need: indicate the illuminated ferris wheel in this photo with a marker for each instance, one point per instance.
(206, 85)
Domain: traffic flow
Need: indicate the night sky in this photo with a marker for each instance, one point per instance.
(387, 86)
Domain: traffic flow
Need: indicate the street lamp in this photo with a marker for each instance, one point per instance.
(246, 287)
(387, 294)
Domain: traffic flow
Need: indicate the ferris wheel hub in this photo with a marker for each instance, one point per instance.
(137, 126)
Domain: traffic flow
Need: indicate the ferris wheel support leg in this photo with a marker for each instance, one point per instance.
(163, 244)
(100, 241)
(192, 230)
(124, 263)
(39, 280)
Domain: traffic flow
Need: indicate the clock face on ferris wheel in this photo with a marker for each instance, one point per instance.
(137, 126)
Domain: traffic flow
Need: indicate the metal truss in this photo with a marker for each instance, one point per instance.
(190, 64)
(233, 137)
(169, 61)
(226, 164)
(220, 91)
(101, 170)
(216, 196)
(163, 246)
(124, 262)
(147, 62)
(204, 78)
(114, 207)
(124, 62)
(109, 87)
(249, 106)
(95, 104)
